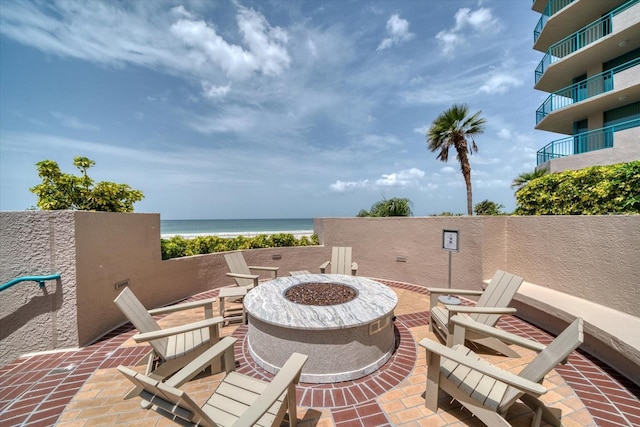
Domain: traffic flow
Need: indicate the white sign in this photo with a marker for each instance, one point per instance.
(450, 240)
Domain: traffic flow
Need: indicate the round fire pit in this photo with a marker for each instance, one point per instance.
(343, 323)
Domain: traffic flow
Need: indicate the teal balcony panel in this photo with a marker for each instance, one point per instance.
(584, 142)
(585, 89)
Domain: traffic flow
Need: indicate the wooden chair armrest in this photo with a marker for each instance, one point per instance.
(485, 368)
(197, 365)
(447, 291)
(288, 375)
(244, 276)
(258, 267)
(163, 333)
(354, 267)
(272, 270)
(453, 309)
(324, 266)
(183, 306)
(462, 323)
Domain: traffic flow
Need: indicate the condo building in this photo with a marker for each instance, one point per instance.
(591, 70)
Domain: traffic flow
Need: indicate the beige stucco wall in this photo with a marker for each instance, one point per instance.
(378, 243)
(33, 318)
(594, 258)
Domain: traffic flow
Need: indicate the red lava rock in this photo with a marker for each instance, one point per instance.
(320, 294)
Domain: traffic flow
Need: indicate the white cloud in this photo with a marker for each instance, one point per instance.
(397, 32)
(144, 34)
(468, 23)
(513, 136)
(344, 186)
(448, 170)
(500, 83)
(422, 130)
(266, 53)
(73, 122)
(212, 91)
(403, 178)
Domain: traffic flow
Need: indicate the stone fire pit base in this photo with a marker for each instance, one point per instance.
(343, 341)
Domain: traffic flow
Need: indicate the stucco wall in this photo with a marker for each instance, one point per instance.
(410, 249)
(33, 318)
(594, 258)
(591, 257)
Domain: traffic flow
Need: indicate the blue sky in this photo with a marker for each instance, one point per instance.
(267, 109)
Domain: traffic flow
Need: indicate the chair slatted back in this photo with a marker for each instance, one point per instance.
(168, 401)
(341, 260)
(554, 354)
(499, 293)
(237, 264)
(140, 318)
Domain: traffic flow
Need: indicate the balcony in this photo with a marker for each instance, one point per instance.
(598, 139)
(563, 17)
(620, 82)
(552, 8)
(606, 38)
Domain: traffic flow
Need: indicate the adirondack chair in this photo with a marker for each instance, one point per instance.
(239, 400)
(241, 272)
(172, 348)
(340, 262)
(487, 391)
(492, 303)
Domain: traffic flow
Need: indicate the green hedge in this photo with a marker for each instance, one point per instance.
(597, 190)
(178, 246)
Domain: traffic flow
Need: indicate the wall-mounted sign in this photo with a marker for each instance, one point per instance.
(450, 240)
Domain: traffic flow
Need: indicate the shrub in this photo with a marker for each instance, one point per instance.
(178, 246)
(487, 207)
(597, 190)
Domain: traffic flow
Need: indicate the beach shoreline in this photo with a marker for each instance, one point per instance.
(233, 234)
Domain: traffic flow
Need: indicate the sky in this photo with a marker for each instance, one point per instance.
(267, 109)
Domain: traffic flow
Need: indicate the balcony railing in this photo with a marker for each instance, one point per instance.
(581, 38)
(584, 142)
(585, 89)
(552, 8)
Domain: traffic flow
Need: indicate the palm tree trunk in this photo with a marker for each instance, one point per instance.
(467, 180)
(465, 167)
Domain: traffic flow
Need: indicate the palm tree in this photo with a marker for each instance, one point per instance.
(453, 128)
(524, 178)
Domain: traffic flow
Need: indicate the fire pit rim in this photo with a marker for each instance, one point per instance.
(374, 302)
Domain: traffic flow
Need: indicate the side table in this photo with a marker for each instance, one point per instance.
(235, 313)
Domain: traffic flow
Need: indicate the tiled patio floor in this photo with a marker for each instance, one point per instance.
(83, 388)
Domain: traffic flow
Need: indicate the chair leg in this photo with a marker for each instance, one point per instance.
(542, 411)
(292, 405)
(433, 381)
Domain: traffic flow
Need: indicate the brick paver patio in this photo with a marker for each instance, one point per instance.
(83, 388)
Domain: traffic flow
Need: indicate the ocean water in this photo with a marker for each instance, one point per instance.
(234, 227)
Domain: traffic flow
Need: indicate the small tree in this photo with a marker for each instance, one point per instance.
(487, 207)
(396, 206)
(59, 190)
